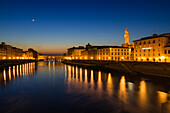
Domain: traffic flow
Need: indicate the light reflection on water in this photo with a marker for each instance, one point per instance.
(75, 89)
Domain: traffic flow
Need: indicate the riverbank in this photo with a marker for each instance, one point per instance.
(6, 63)
(147, 68)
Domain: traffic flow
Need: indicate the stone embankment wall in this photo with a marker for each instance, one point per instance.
(149, 68)
(5, 63)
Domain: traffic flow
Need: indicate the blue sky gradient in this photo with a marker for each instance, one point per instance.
(60, 24)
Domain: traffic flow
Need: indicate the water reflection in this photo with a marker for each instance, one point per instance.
(18, 70)
(73, 89)
(129, 96)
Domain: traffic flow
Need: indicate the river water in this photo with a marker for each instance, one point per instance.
(55, 87)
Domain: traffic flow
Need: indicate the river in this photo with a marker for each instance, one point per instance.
(55, 87)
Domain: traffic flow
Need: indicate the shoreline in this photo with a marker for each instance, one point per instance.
(135, 68)
(6, 63)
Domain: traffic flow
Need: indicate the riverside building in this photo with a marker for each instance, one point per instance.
(89, 52)
(154, 48)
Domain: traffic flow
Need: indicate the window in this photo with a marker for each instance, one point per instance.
(103, 53)
(115, 49)
(153, 54)
(144, 42)
(122, 49)
(118, 49)
(148, 54)
(147, 59)
(115, 53)
(140, 51)
(149, 42)
(153, 41)
(158, 54)
(118, 53)
(168, 51)
(124, 53)
(143, 54)
(159, 44)
(144, 50)
(136, 50)
(112, 58)
(149, 50)
(165, 52)
(115, 58)
(127, 53)
(136, 43)
(107, 53)
(140, 43)
(139, 54)
(153, 49)
(136, 55)
(112, 53)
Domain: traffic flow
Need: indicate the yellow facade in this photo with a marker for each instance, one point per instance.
(153, 49)
(113, 53)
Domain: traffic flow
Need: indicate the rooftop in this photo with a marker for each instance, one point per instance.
(154, 36)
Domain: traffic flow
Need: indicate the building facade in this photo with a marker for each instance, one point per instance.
(116, 53)
(9, 52)
(154, 48)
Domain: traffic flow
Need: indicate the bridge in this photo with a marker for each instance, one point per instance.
(50, 57)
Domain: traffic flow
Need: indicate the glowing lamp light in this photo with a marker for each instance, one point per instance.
(85, 57)
(99, 58)
(109, 58)
(162, 57)
(9, 58)
(91, 57)
(122, 57)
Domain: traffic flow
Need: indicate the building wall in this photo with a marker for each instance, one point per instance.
(150, 49)
(117, 54)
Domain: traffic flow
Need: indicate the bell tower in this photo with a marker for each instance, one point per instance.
(126, 36)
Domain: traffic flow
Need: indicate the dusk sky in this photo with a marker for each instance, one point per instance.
(61, 24)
